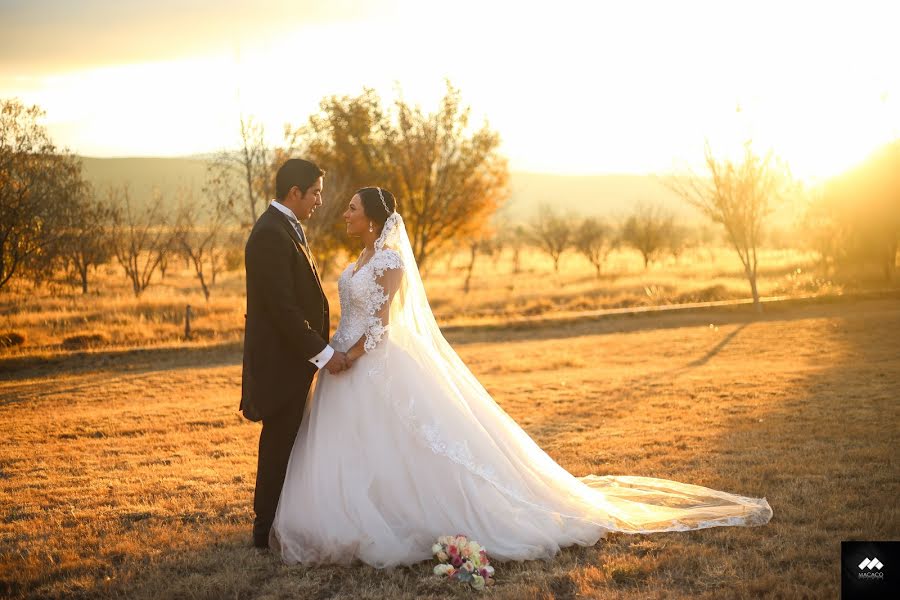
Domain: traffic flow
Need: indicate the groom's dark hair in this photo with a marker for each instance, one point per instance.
(296, 171)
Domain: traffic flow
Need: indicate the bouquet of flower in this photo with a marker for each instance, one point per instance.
(463, 560)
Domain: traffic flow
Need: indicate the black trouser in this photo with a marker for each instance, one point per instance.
(275, 443)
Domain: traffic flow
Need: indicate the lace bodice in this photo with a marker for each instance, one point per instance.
(365, 300)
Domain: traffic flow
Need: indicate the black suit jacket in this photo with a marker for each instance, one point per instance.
(287, 318)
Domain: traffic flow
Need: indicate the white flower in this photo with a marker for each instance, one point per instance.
(478, 582)
(436, 548)
(442, 569)
(442, 556)
(490, 570)
(468, 566)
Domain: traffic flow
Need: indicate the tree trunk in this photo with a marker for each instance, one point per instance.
(204, 286)
(751, 276)
(474, 255)
(84, 279)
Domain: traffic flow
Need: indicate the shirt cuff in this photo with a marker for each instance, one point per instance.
(322, 358)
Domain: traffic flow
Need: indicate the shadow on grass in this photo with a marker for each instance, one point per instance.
(819, 447)
(575, 326)
(132, 360)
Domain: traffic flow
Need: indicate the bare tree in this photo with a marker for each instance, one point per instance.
(242, 179)
(739, 195)
(200, 239)
(680, 239)
(33, 180)
(648, 231)
(88, 238)
(483, 243)
(164, 252)
(517, 240)
(551, 233)
(595, 240)
(142, 237)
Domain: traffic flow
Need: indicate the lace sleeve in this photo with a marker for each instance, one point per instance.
(387, 272)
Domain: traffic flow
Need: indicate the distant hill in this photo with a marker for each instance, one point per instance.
(611, 196)
(144, 175)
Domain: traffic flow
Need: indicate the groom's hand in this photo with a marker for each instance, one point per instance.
(337, 364)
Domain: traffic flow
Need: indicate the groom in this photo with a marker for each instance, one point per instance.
(285, 340)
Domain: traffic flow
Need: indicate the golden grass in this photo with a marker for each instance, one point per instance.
(131, 474)
(52, 313)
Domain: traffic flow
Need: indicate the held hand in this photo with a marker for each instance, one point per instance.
(337, 363)
(353, 355)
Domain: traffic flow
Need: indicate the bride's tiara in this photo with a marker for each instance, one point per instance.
(383, 203)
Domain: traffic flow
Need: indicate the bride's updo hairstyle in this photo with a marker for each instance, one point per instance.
(375, 209)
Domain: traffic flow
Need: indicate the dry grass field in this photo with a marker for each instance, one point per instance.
(50, 314)
(129, 473)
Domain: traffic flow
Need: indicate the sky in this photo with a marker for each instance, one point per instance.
(572, 87)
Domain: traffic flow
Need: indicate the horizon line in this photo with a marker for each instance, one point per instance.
(200, 157)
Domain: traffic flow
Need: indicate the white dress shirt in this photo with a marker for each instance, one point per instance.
(322, 358)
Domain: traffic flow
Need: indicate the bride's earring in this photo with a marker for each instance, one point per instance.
(371, 227)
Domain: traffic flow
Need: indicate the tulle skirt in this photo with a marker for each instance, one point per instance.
(400, 450)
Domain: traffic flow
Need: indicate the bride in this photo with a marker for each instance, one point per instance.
(407, 445)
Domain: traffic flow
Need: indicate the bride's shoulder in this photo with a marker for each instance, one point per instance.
(387, 258)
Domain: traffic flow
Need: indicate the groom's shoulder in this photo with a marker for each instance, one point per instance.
(268, 220)
(266, 226)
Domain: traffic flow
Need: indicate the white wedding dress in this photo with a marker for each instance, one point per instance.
(407, 446)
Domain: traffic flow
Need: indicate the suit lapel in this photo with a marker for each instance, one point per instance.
(296, 237)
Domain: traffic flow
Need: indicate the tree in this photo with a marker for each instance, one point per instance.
(680, 239)
(243, 180)
(200, 240)
(33, 175)
(482, 243)
(448, 179)
(142, 238)
(551, 233)
(452, 180)
(648, 230)
(344, 138)
(517, 239)
(87, 241)
(739, 195)
(595, 240)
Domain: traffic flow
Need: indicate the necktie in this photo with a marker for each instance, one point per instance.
(296, 224)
